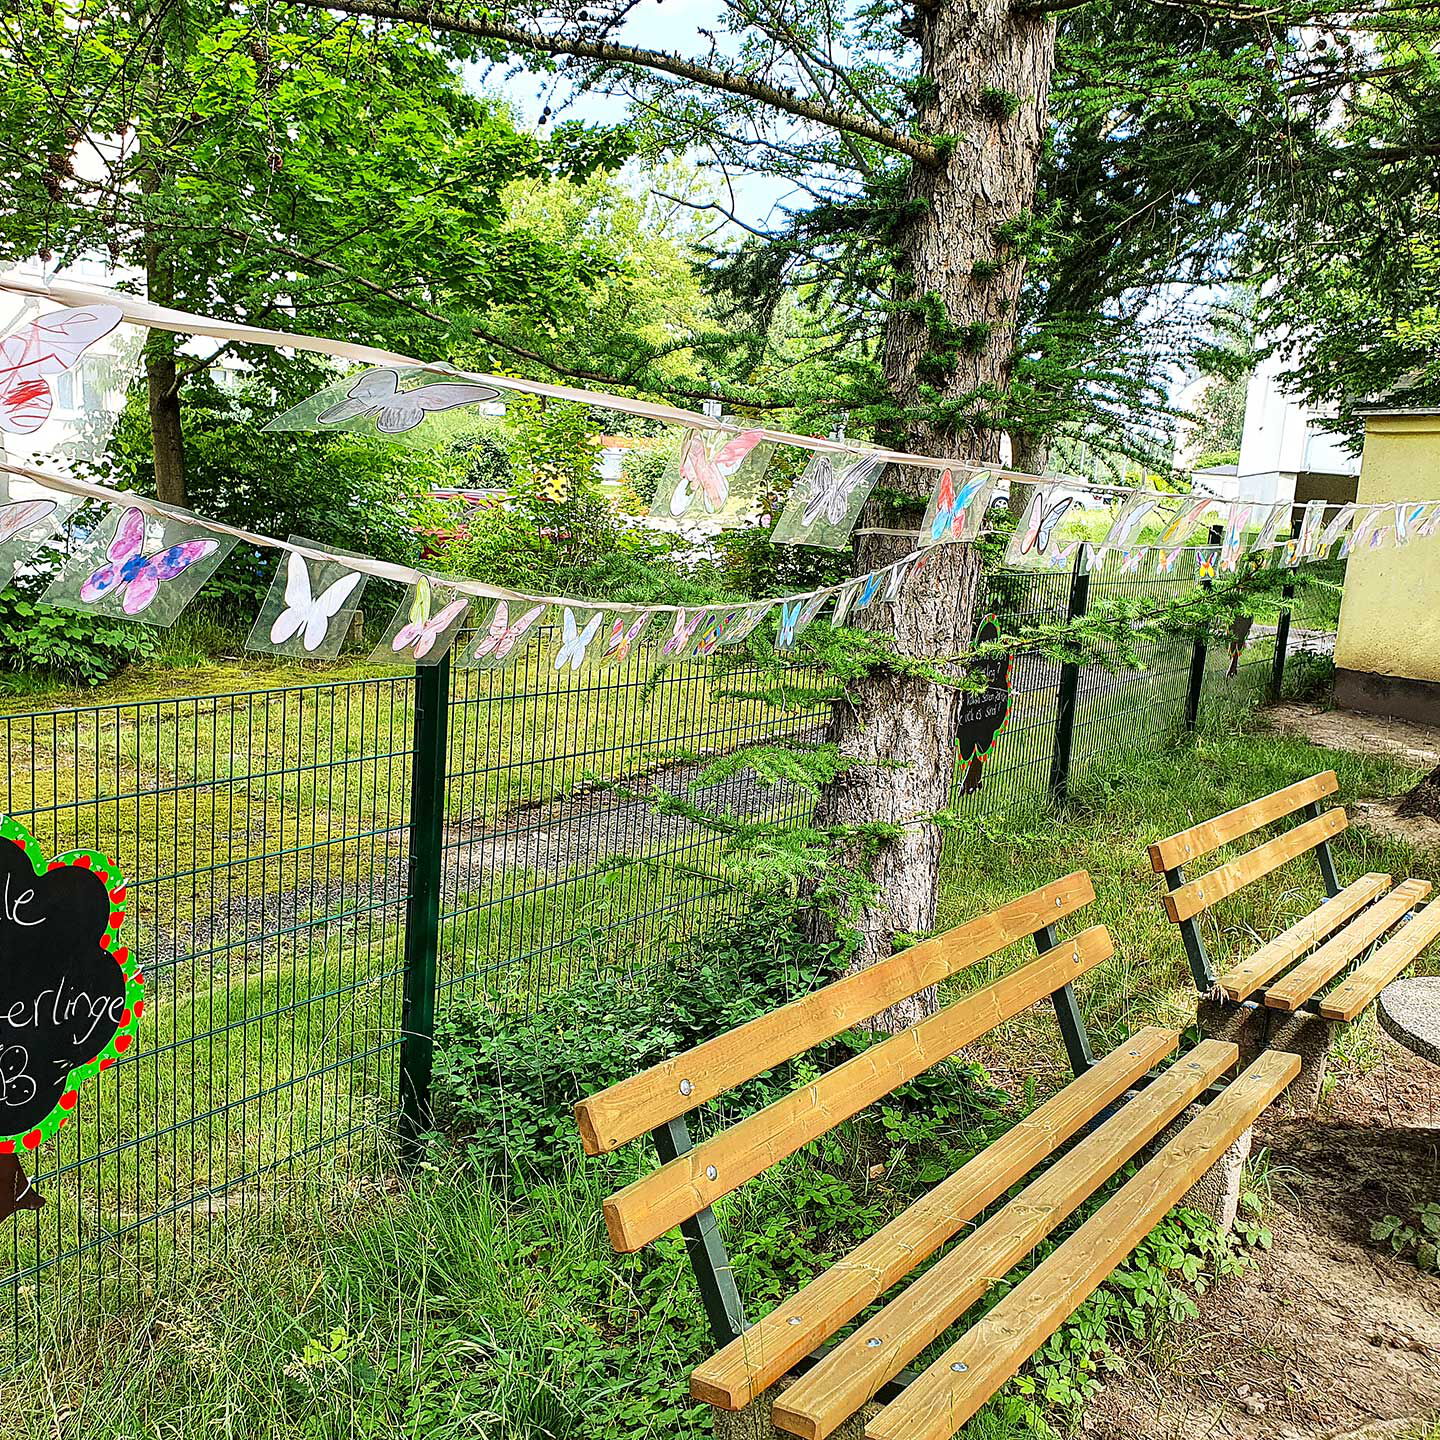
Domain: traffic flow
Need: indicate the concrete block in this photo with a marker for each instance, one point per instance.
(1240, 1024)
(753, 1422)
(1217, 1192)
(1309, 1037)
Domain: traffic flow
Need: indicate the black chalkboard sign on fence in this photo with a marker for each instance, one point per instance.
(983, 713)
(69, 994)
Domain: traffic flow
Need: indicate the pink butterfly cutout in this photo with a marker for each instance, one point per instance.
(709, 472)
(502, 637)
(424, 629)
(137, 573)
(684, 632)
(48, 345)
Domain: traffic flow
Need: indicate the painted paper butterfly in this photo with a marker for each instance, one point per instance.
(49, 345)
(707, 465)
(424, 630)
(140, 575)
(377, 393)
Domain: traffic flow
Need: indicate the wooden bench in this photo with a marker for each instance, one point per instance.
(835, 1380)
(1278, 994)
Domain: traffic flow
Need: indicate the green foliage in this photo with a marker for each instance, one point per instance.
(1417, 1236)
(505, 1084)
(1146, 1297)
(1359, 239)
(53, 644)
(997, 104)
(1207, 459)
(285, 165)
(349, 492)
(805, 769)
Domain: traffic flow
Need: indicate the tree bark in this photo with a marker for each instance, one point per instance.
(951, 337)
(162, 384)
(1424, 799)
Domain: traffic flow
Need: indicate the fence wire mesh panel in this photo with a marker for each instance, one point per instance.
(274, 878)
(263, 836)
(555, 862)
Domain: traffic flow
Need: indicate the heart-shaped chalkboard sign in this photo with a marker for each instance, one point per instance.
(983, 714)
(70, 996)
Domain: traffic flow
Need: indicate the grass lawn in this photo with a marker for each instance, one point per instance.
(449, 1305)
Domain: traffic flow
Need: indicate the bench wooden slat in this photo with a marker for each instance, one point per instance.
(822, 1399)
(1190, 899)
(1317, 970)
(1198, 840)
(653, 1204)
(1356, 991)
(939, 1402)
(613, 1117)
(799, 1324)
(1272, 957)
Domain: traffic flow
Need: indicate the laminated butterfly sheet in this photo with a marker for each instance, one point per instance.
(827, 500)
(1050, 534)
(411, 404)
(957, 506)
(577, 641)
(507, 633)
(63, 377)
(424, 626)
(29, 516)
(715, 480)
(137, 566)
(309, 607)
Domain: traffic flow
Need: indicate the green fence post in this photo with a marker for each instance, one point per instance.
(1282, 634)
(1197, 655)
(422, 909)
(1069, 687)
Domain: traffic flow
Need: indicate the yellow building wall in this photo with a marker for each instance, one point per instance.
(1390, 612)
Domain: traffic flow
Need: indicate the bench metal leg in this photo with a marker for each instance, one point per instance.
(1067, 1013)
(709, 1258)
(1195, 952)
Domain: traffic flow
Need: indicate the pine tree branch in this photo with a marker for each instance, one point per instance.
(490, 338)
(486, 26)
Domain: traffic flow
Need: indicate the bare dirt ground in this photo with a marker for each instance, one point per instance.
(1326, 1335)
(1417, 745)
(1412, 744)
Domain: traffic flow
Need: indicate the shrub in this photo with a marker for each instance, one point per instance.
(505, 1085)
(346, 491)
(51, 644)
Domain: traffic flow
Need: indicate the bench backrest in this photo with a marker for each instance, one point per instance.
(689, 1180)
(1187, 899)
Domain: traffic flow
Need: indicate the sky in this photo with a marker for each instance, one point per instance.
(655, 25)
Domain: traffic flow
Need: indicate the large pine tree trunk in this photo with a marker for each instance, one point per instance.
(951, 335)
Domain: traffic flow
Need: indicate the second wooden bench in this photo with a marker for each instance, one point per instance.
(1278, 994)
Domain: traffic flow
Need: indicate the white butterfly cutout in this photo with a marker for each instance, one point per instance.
(502, 637)
(307, 614)
(576, 641)
(828, 489)
(18, 515)
(378, 393)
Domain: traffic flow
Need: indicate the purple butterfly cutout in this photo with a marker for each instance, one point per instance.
(138, 573)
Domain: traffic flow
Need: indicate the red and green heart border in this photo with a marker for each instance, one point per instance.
(114, 880)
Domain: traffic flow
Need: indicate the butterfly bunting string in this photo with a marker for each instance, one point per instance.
(154, 558)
